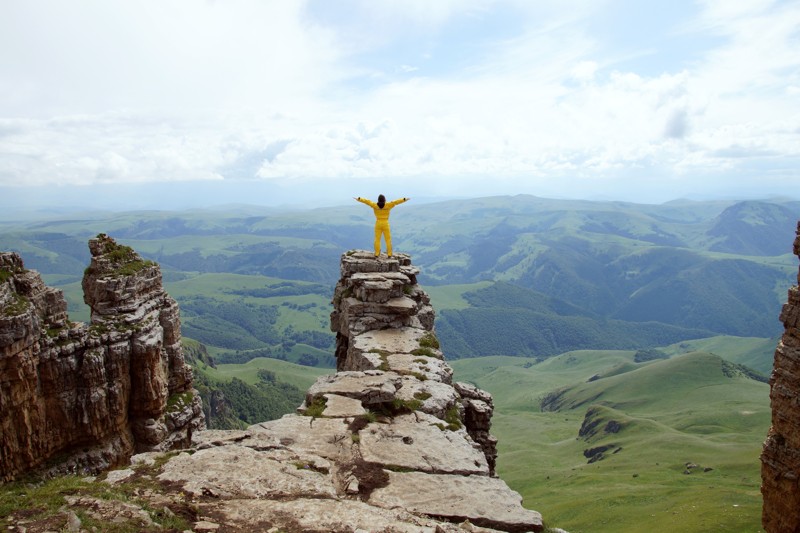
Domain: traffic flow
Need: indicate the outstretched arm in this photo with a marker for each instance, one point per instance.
(397, 202)
(368, 202)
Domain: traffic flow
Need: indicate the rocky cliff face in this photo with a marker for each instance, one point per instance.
(780, 459)
(388, 443)
(77, 397)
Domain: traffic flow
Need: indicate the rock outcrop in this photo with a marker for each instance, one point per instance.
(80, 398)
(388, 443)
(780, 458)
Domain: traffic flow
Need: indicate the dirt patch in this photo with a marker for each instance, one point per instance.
(370, 476)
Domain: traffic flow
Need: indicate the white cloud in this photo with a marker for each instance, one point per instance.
(104, 91)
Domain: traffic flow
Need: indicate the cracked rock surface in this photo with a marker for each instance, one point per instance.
(388, 443)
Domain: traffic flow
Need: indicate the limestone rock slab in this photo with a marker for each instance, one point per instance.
(326, 437)
(415, 441)
(369, 387)
(399, 340)
(235, 471)
(484, 501)
(334, 516)
(437, 398)
(338, 406)
(430, 367)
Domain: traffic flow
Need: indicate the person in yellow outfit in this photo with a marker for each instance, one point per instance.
(381, 210)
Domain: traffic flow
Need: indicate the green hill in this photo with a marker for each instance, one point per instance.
(754, 228)
(718, 267)
(236, 396)
(630, 447)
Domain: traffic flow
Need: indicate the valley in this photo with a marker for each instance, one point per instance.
(610, 335)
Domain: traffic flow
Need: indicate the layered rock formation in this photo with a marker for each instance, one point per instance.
(780, 459)
(77, 397)
(388, 443)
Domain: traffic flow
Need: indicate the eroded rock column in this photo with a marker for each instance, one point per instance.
(780, 459)
(387, 443)
(91, 395)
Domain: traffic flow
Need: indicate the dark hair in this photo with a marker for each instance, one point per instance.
(381, 201)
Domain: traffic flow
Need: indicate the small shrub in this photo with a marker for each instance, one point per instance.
(422, 395)
(453, 419)
(178, 401)
(98, 328)
(406, 405)
(429, 340)
(317, 407)
(427, 352)
(16, 307)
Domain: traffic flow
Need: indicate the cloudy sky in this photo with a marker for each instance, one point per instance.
(271, 101)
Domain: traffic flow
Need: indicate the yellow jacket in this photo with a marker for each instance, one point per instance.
(382, 215)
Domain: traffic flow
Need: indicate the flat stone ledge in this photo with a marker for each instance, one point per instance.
(430, 367)
(415, 441)
(484, 501)
(227, 472)
(337, 406)
(368, 387)
(397, 340)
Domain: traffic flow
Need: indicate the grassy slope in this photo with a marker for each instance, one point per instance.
(300, 376)
(673, 412)
(451, 241)
(755, 352)
(220, 287)
(452, 296)
(609, 257)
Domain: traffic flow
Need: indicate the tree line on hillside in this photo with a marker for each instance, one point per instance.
(475, 332)
(719, 267)
(247, 330)
(234, 404)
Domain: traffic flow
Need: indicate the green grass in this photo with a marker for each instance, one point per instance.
(221, 285)
(671, 411)
(300, 376)
(452, 296)
(43, 500)
(755, 352)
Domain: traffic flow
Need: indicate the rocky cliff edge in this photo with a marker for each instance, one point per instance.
(780, 458)
(81, 398)
(388, 443)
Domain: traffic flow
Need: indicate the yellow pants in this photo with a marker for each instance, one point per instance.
(382, 228)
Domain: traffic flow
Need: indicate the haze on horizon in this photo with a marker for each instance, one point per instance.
(179, 103)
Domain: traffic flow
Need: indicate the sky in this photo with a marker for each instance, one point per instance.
(191, 103)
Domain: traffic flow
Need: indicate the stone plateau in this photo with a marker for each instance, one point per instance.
(388, 443)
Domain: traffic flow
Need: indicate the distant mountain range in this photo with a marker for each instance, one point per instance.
(568, 274)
